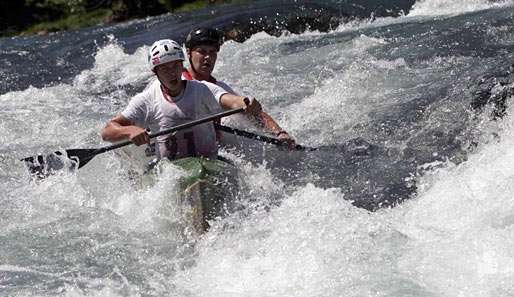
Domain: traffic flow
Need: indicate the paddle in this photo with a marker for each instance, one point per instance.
(355, 147)
(42, 166)
(262, 138)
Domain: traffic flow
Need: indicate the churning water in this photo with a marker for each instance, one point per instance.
(412, 197)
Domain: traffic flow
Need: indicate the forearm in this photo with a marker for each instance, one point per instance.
(113, 132)
(231, 101)
(262, 118)
(120, 128)
(267, 122)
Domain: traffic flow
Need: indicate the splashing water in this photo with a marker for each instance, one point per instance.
(402, 85)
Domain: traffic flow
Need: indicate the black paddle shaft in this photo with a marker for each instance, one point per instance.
(262, 138)
(172, 129)
(42, 166)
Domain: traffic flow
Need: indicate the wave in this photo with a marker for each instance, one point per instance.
(443, 7)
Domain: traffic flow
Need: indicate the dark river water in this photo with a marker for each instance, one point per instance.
(410, 193)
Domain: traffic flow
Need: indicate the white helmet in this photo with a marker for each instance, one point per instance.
(164, 51)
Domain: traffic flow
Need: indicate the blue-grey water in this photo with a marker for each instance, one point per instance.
(411, 194)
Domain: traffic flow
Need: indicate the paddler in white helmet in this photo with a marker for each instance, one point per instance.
(202, 47)
(169, 101)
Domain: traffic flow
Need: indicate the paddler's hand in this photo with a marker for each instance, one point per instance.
(137, 135)
(253, 106)
(286, 139)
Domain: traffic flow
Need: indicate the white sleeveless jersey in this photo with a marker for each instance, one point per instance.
(150, 109)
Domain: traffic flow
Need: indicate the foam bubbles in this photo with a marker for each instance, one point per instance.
(114, 68)
(443, 7)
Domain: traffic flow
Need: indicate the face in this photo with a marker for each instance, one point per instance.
(170, 74)
(203, 58)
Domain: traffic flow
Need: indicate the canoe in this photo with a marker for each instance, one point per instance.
(206, 191)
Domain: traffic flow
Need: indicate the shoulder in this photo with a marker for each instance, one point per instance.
(222, 84)
(226, 87)
(196, 84)
(148, 95)
(150, 88)
(205, 91)
(216, 90)
(203, 85)
(210, 86)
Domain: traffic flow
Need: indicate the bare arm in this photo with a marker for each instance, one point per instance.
(269, 123)
(119, 128)
(254, 108)
(231, 101)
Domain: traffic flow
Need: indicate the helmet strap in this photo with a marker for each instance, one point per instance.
(189, 54)
(192, 66)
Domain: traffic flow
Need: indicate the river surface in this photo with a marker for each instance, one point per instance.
(410, 193)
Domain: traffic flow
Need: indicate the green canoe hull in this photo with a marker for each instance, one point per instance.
(205, 192)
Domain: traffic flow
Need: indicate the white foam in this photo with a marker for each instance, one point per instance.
(444, 7)
(114, 68)
(301, 248)
(455, 239)
(462, 223)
